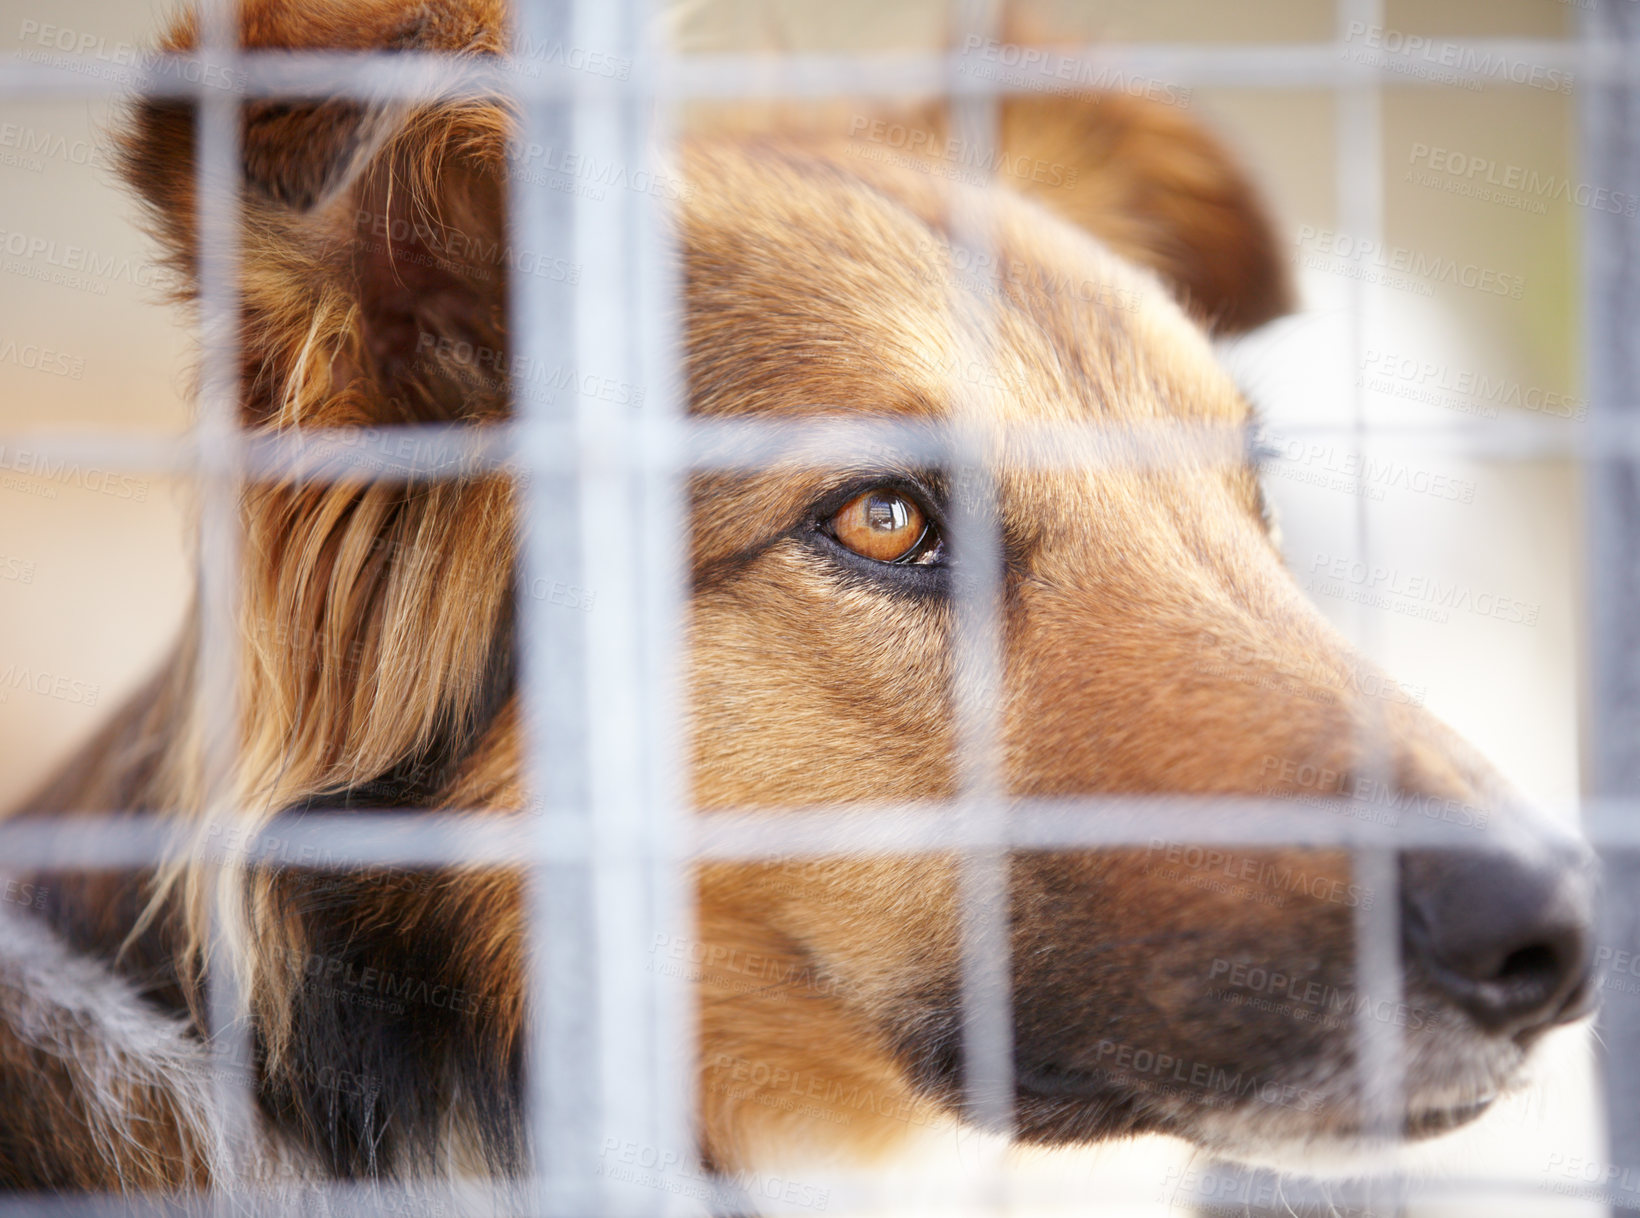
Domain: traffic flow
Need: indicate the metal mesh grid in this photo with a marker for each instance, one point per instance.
(611, 841)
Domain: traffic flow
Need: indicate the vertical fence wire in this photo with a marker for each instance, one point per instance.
(978, 455)
(217, 177)
(563, 1079)
(1609, 123)
(638, 1110)
(1379, 1045)
(662, 548)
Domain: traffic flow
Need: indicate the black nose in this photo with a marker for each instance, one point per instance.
(1505, 933)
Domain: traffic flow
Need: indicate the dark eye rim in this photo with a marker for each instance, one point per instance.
(903, 573)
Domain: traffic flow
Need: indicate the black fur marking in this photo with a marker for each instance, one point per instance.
(385, 1041)
(94, 912)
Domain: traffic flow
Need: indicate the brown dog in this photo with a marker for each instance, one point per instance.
(821, 277)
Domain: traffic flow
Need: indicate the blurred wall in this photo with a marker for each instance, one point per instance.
(93, 569)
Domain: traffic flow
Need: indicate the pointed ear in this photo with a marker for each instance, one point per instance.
(1150, 182)
(373, 255)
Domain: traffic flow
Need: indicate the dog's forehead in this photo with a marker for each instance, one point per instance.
(820, 283)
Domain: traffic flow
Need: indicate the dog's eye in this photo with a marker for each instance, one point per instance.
(883, 525)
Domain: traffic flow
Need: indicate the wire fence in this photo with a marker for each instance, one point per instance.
(610, 840)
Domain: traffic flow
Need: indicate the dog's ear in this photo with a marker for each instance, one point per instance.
(372, 291)
(1149, 181)
(373, 256)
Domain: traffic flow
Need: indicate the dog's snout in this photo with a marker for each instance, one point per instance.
(1506, 935)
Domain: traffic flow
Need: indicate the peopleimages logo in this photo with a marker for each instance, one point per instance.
(70, 473)
(833, 1099)
(36, 358)
(984, 159)
(1375, 262)
(1317, 999)
(1289, 779)
(1618, 969)
(572, 172)
(531, 378)
(1045, 71)
(1452, 62)
(47, 685)
(1308, 679)
(16, 569)
(426, 243)
(1463, 389)
(79, 42)
(29, 148)
(1252, 871)
(1417, 595)
(1611, 1179)
(1516, 185)
(531, 54)
(1374, 474)
(77, 265)
(92, 54)
(1206, 1082)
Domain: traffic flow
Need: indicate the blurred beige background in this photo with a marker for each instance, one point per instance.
(94, 570)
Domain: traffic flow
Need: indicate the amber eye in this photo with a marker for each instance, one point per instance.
(881, 524)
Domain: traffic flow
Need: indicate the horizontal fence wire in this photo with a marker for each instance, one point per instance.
(423, 76)
(710, 445)
(1217, 1191)
(387, 837)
